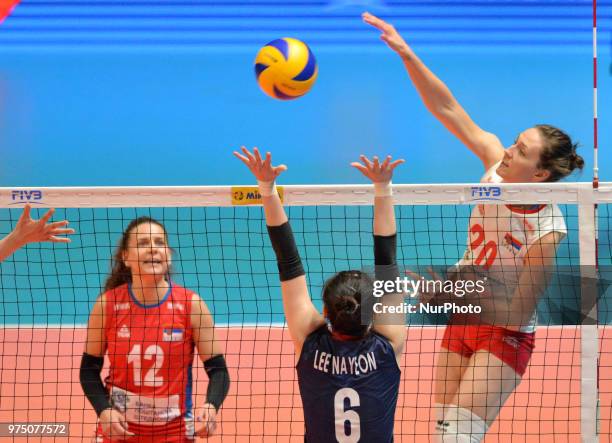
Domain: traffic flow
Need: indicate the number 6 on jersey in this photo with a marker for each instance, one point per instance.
(347, 415)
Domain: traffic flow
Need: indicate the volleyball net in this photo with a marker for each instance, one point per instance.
(221, 251)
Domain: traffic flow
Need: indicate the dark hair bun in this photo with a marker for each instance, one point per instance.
(558, 155)
(346, 304)
(577, 161)
(343, 295)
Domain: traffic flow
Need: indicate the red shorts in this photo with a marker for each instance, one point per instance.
(512, 347)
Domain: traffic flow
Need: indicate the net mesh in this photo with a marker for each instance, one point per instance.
(224, 254)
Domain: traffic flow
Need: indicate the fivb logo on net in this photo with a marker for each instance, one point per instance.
(486, 193)
(23, 196)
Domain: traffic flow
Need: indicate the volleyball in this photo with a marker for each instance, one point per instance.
(285, 68)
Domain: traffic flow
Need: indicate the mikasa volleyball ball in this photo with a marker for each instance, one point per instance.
(285, 68)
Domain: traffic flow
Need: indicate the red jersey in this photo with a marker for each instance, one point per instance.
(151, 350)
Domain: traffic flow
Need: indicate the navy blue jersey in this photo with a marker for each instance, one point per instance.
(349, 388)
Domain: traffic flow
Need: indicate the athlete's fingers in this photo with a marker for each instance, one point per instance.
(211, 426)
(248, 154)
(279, 169)
(385, 163)
(116, 430)
(373, 20)
(124, 426)
(396, 163)
(268, 160)
(366, 161)
(120, 431)
(55, 239)
(257, 155)
(242, 158)
(378, 23)
(201, 428)
(360, 167)
(376, 162)
(210, 423)
(25, 215)
(376, 165)
(57, 224)
(45, 218)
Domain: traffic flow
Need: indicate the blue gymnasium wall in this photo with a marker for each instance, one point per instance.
(160, 92)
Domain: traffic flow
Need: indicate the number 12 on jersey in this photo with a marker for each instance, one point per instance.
(151, 378)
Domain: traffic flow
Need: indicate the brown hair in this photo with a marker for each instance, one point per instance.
(120, 273)
(343, 295)
(558, 154)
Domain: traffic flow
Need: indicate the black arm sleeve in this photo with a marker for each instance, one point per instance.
(91, 382)
(287, 256)
(218, 380)
(385, 257)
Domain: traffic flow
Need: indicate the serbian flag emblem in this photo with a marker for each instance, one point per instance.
(516, 244)
(172, 333)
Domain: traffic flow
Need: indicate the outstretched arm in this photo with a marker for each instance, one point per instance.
(438, 98)
(28, 230)
(390, 325)
(302, 316)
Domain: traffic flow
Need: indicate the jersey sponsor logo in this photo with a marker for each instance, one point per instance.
(175, 305)
(172, 333)
(141, 409)
(478, 193)
(119, 399)
(122, 306)
(512, 243)
(123, 332)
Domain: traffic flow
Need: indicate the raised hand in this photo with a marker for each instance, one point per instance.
(389, 35)
(262, 169)
(376, 171)
(28, 230)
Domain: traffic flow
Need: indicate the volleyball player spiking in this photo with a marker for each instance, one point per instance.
(480, 365)
(347, 369)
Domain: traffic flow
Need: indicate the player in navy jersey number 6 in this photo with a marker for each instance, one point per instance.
(348, 371)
